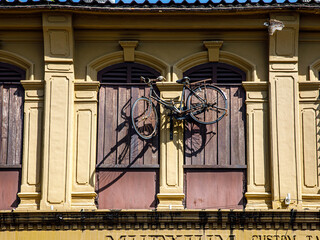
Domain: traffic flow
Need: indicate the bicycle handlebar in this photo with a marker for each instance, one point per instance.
(161, 78)
(150, 81)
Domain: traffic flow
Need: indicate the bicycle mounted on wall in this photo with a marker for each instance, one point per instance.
(206, 104)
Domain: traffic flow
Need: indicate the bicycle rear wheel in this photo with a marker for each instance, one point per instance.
(144, 118)
(207, 104)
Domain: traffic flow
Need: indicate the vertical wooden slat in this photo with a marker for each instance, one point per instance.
(201, 143)
(144, 144)
(12, 130)
(101, 126)
(224, 135)
(122, 128)
(242, 125)
(19, 120)
(155, 142)
(234, 116)
(187, 137)
(1, 107)
(5, 125)
(197, 144)
(210, 144)
(149, 145)
(110, 131)
(135, 148)
(188, 142)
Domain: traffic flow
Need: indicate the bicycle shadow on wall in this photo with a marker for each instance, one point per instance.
(126, 156)
(196, 137)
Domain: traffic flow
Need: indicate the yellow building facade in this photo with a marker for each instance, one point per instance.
(63, 48)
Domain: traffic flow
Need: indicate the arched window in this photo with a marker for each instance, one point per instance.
(215, 155)
(11, 127)
(127, 166)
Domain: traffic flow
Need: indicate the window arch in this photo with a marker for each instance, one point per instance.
(127, 166)
(216, 154)
(11, 128)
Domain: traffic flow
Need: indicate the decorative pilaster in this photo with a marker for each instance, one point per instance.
(258, 185)
(85, 125)
(171, 193)
(33, 124)
(309, 129)
(284, 111)
(58, 115)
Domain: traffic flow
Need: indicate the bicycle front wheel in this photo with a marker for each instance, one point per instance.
(144, 118)
(207, 104)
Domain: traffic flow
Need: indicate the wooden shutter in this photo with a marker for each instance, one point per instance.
(215, 155)
(118, 144)
(11, 128)
(221, 144)
(127, 165)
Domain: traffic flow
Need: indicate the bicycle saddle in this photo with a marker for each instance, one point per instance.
(184, 80)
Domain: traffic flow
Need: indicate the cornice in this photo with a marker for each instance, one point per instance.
(87, 86)
(255, 86)
(309, 85)
(32, 84)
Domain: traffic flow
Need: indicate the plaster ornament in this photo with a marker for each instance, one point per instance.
(274, 25)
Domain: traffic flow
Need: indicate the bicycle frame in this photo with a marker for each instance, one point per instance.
(171, 106)
(195, 107)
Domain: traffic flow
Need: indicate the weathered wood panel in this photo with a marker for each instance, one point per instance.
(4, 125)
(9, 186)
(121, 153)
(215, 155)
(118, 143)
(214, 189)
(127, 189)
(223, 143)
(11, 119)
(11, 128)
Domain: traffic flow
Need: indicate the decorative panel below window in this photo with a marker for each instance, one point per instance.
(11, 128)
(127, 165)
(215, 154)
